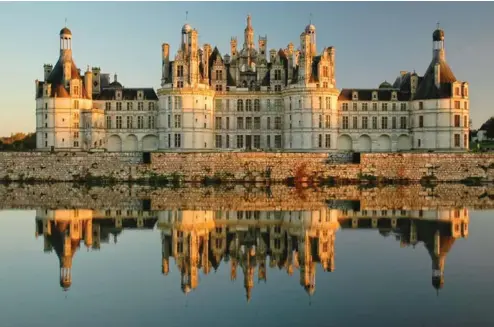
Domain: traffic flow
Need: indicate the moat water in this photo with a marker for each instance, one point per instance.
(340, 264)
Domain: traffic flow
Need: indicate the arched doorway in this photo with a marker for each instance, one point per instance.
(345, 143)
(130, 144)
(149, 143)
(384, 143)
(364, 143)
(404, 143)
(114, 143)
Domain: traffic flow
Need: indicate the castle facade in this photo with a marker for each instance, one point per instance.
(250, 99)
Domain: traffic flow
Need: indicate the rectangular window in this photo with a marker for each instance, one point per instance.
(119, 122)
(457, 140)
(140, 122)
(277, 88)
(277, 123)
(384, 107)
(257, 122)
(227, 107)
(268, 141)
(327, 141)
(457, 120)
(169, 103)
(76, 104)
(354, 105)
(319, 140)
(374, 106)
(240, 123)
(465, 141)
(129, 122)
(219, 74)
(248, 105)
(384, 122)
(374, 122)
(257, 141)
(257, 105)
(320, 121)
(421, 105)
(277, 141)
(108, 106)
(240, 141)
(345, 122)
(178, 103)
(328, 103)
(268, 104)
(277, 75)
(129, 106)
(465, 121)
(119, 106)
(180, 84)
(268, 123)
(355, 123)
(421, 121)
(365, 122)
(344, 106)
(108, 122)
(393, 123)
(327, 121)
(151, 106)
(365, 106)
(457, 105)
(403, 122)
(180, 71)
(178, 140)
(169, 121)
(278, 103)
(465, 105)
(217, 123)
(140, 106)
(227, 125)
(151, 122)
(403, 107)
(218, 141)
(177, 119)
(248, 122)
(218, 104)
(394, 106)
(240, 105)
(227, 145)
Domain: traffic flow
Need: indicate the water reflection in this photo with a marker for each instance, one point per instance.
(250, 241)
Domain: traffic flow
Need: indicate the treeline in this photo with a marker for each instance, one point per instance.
(488, 126)
(18, 142)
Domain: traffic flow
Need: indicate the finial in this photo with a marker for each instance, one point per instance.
(65, 21)
(437, 25)
(186, 15)
(310, 18)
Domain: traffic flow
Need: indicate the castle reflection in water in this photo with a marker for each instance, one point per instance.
(249, 241)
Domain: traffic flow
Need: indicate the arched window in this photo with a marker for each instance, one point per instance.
(240, 105)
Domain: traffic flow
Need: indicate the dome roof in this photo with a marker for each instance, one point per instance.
(310, 28)
(186, 29)
(438, 35)
(385, 85)
(65, 31)
(115, 84)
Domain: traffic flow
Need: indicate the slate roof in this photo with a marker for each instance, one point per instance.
(427, 88)
(127, 94)
(56, 79)
(366, 94)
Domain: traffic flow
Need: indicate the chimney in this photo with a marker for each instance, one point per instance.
(88, 82)
(48, 68)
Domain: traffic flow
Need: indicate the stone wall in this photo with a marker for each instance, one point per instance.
(248, 198)
(244, 166)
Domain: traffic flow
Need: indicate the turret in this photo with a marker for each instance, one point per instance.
(249, 34)
(233, 47)
(47, 68)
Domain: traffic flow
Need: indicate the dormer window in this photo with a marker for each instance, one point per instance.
(465, 92)
(180, 71)
(374, 95)
(457, 91)
(393, 96)
(355, 96)
(140, 95)
(118, 95)
(76, 90)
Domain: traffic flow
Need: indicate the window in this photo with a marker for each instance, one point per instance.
(76, 135)
(240, 141)
(277, 141)
(355, 106)
(374, 122)
(278, 103)
(268, 141)
(325, 85)
(108, 106)
(320, 120)
(364, 106)
(151, 106)
(240, 105)
(419, 143)
(76, 104)
(325, 71)
(218, 104)
(177, 121)
(277, 123)
(140, 122)
(257, 105)
(457, 91)
(421, 121)
(248, 122)
(365, 122)
(240, 123)
(421, 105)
(268, 123)
(151, 122)
(403, 122)
(218, 87)
(178, 140)
(180, 84)
(384, 107)
(119, 122)
(457, 105)
(345, 122)
(327, 121)
(219, 74)
(465, 141)
(319, 140)
(180, 71)
(227, 145)
(374, 106)
(465, 121)
(457, 140)
(178, 102)
(277, 75)
(140, 106)
(76, 90)
(108, 122)
(327, 143)
(169, 121)
(248, 105)
(344, 106)
(227, 107)
(76, 143)
(119, 106)
(403, 106)
(217, 123)
(129, 121)
(384, 122)
(465, 105)
(277, 88)
(129, 105)
(355, 122)
(218, 141)
(257, 122)
(457, 120)
(169, 103)
(394, 106)
(328, 103)
(257, 141)
(393, 123)
(227, 125)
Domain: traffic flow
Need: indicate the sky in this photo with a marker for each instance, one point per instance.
(374, 41)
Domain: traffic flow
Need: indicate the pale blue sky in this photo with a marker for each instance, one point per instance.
(373, 41)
